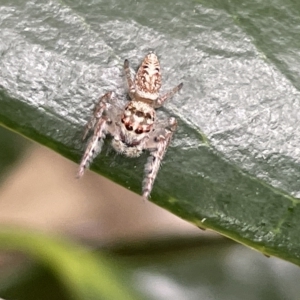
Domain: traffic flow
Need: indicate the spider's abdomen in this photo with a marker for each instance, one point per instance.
(148, 78)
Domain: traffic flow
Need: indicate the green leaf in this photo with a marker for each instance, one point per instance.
(175, 268)
(85, 275)
(233, 165)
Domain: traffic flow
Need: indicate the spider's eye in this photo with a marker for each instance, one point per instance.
(129, 127)
(139, 114)
(148, 116)
(139, 130)
(157, 69)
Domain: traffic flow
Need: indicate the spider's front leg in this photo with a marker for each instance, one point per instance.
(158, 144)
(162, 99)
(102, 105)
(130, 82)
(100, 124)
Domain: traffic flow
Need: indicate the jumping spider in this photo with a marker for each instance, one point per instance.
(134, 127)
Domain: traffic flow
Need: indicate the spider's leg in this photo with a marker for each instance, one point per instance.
(100, 107)
(95, 144)
(162, 99)
(130, 82)
(158, 145)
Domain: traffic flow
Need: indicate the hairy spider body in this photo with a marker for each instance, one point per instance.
(148, 78)
(134, 128)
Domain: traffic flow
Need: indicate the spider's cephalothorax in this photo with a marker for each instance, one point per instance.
(134, 127)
